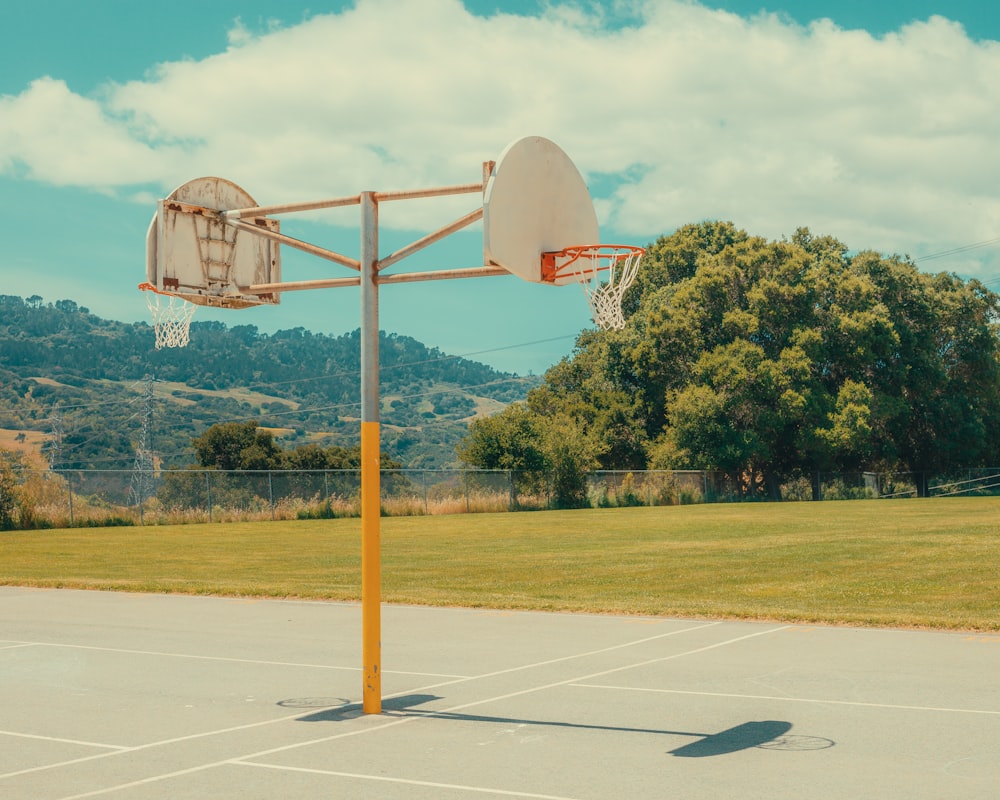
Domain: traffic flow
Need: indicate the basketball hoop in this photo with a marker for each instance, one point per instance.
(605, 271)
(171, 317)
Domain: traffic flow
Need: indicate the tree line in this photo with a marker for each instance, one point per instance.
(247, 446)
(767, 361)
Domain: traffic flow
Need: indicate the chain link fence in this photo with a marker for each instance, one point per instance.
(67, 498)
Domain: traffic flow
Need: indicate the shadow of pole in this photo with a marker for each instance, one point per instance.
(767, 734)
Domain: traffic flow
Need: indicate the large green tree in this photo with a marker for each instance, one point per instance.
(237, 446)
(937, 395)
(773, 359)
(246, 446)
(553, 453)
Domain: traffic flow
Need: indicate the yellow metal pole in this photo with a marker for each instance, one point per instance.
(371, 557)
(371, 570)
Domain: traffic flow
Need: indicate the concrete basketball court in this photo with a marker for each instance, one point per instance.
(147, 696)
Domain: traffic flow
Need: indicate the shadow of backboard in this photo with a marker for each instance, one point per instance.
(742, 737)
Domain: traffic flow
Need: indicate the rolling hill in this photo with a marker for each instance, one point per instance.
(81, 388)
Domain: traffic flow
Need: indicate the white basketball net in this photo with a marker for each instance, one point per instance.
(171, 318)
(605, 271)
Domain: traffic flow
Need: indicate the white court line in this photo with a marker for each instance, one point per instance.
(792, 699)
(431, 784)
(574, 656)
(330, 773)
(147, 746)
(160, 654)
(571, 681)
(387, 723)
(63, 741)
(247, 760)
(15, 645)
(399, 720)
(224, 762)
(296, 716)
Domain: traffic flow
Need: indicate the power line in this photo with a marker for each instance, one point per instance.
(961, 249)
(987, 282)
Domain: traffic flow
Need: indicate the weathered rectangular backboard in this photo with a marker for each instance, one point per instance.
(193, 254)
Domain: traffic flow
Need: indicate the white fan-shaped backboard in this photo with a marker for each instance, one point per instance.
(535, 202)
(193, 254)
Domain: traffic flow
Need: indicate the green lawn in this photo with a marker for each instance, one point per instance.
(933, 563)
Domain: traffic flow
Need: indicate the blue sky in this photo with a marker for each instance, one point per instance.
(873, 122)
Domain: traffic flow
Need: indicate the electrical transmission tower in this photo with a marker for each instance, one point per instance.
(53, 447)
(142, 469)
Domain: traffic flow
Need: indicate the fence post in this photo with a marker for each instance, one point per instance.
(270, 493)
(423, 481)
(208, 495)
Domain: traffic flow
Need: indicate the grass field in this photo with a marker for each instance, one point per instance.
(926, 563)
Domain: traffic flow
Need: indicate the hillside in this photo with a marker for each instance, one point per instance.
(81, 383)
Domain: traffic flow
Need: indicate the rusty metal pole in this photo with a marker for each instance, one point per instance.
(371, 558)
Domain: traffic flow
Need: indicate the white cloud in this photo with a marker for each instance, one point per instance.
(887, 142)
(61, 138)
